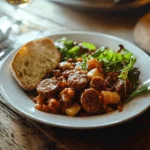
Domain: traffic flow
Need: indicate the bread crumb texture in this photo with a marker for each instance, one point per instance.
(34, 61)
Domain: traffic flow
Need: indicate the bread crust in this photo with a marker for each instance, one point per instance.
(38, 47)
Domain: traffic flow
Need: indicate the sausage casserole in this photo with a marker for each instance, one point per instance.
(88, 80)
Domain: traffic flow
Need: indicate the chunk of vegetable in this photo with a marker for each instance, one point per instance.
(110, 97)
(67, 94)
(73, 110)
(90, 46)
(95, 72)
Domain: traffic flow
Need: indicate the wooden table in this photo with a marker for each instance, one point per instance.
(17, 132)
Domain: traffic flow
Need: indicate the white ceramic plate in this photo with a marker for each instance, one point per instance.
(20, 101)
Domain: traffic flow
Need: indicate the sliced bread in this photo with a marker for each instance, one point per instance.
(33, 62)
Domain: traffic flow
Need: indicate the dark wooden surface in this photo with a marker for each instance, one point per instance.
(20, 133)
(16, 133)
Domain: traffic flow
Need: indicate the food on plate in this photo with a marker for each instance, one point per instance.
(80, 79)
(33, 62)
(91, 101)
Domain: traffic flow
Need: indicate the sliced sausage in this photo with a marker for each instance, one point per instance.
(120, 88)
(98, 83)
(111, 78)
(78, 80)
(66, 73)
(129, 87)
(47, 88)
(90, 101)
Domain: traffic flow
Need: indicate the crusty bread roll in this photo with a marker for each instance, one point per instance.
(33, 62)
(142, 33)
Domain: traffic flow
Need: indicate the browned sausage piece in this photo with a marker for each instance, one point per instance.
(90, 101)
(111, 78)
(120, 88)
(129, 87)
(66, 73)
(47, 88)
(98, 83)
(78, 80)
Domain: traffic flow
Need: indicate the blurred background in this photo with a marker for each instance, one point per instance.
(24, 20)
